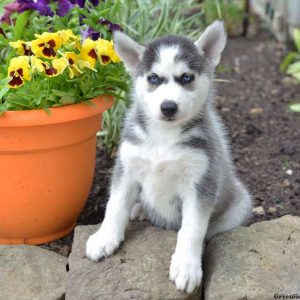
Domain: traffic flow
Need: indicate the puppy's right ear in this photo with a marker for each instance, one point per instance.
(129, 51)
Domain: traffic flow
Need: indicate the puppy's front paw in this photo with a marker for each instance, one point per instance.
(102, 244)
(186, 272)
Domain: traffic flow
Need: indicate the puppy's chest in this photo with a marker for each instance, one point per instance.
(165, 175)
(162, 166)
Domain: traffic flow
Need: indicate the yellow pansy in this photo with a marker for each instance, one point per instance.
(37, 65)
(56, 67)
(69, 38)
(19, 70)
(22, 47)
(106, 52)
(46, 45)
(72, 59)
(76, 64)
(59, 64)
(88, 52)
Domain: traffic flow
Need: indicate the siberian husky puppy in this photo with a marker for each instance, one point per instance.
(173, 164)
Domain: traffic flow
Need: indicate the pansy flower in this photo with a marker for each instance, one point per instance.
(89, 32)
(106, 52)
(37, 65)
(81, 3)
(46, 45)
(110, 25)
(19, 71)
(64, 7)
(68, 37)
(72, 59)
(59, 64)
(88, 52)
(22, 47)
(56, 67)
(42, 6)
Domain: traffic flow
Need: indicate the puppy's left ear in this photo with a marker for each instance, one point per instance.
(212, 42)
(130, 52)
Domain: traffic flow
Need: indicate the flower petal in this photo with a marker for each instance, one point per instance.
(60, 64)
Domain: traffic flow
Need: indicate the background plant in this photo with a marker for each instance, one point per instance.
(291, 64)
(230, 11)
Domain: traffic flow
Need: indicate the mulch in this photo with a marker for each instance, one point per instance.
(264, 133)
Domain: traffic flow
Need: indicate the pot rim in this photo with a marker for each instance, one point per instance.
(62, 114)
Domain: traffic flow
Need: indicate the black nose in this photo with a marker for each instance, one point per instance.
(168, 108)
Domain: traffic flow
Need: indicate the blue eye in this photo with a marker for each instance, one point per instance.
(154, 79)
(187, 78)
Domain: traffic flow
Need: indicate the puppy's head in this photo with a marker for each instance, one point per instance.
(172, 74)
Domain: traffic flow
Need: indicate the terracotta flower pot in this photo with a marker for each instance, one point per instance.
(46, 170)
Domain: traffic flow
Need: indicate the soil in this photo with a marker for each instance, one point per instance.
(265, 134)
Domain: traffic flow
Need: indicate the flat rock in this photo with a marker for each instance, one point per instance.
(254, 262)
(31, 273)
(138, 270)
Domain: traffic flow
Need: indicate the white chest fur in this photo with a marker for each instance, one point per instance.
(166, 172)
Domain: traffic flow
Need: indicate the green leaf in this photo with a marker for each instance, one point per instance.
(61, 93)
(21, 22)
(287, 60)
(67, 100)
(21, 103)
(296, 35)
(5, 81)
(297, 76)
(295, 107)
(294, 68)
(4, 88)
(3, 91)
(163, 17)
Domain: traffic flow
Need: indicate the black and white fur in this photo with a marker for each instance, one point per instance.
(174, 165)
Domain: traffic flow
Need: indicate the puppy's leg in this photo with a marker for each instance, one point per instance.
(137, 212)
(236, 214)
(186, 265)
(107, 239)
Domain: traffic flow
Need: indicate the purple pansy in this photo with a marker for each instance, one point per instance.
(40, 5)
(63, 7)
(90, 33)
(110, 25)
(81, 3)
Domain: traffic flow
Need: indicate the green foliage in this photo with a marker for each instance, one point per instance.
(295, 107)
(61, 90)
(291, 64)
(146, 20)
(21, 22)
(230, 11)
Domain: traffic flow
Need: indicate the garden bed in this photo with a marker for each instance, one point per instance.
(264, 133)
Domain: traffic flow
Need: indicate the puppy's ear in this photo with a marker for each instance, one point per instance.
(128, 50)
(212, 42)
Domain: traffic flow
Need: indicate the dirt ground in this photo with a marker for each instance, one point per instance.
(265, 134)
